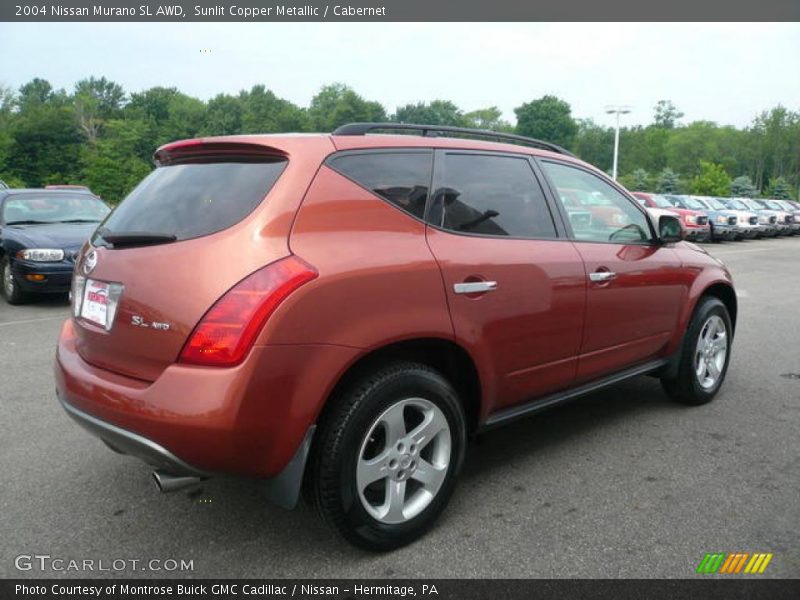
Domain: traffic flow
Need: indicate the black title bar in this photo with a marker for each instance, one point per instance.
(398, 10)
(705, 588)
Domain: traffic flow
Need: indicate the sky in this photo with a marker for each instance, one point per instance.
(723, 72)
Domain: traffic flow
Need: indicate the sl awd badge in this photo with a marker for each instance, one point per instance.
(139, 321)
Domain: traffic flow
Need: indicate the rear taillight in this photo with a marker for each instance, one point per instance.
(226, 333)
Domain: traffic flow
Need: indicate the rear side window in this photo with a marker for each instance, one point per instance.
(195, 199)
(402, 178)
(491, 195)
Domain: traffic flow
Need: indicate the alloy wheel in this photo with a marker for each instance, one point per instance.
(711, 352)
(403, 460)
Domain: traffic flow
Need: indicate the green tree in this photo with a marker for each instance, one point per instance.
(779, 188)
(594, 144)
(437, 112)
(223, 116)
(337, 104)
(112, 167)
(7, 103)
(775, 139)
(642, 148)
(488, 118)
(689, 145)
(264, 112)
(666, 114)
(640, 180)
(169, 114)
(668, 182)
(742, 187)
(712, 180)
(37, 92)
(46, 140)
(96, 101)
(549, 118)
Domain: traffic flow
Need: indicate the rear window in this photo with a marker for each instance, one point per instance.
(196, 199)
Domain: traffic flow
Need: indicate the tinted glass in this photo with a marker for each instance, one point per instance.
(597, 211)
(402, 178)
(53, 208)
(491, 195)
(192, 200)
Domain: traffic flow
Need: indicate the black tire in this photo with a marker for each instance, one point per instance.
(15, 295)
(330, 480)
(686, 386)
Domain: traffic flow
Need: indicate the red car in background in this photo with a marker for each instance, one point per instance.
(695, 222)
(339, 313)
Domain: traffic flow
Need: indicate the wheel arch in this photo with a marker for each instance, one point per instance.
(727, 295)
(443, 355)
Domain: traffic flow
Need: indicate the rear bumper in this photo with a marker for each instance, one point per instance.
(248, 420)
(57, 276)
(133, 444)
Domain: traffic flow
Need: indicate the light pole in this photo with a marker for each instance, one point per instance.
(617, 110)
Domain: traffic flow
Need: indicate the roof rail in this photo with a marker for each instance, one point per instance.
(435, 130)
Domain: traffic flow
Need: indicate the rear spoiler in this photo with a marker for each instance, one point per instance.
(203, 150)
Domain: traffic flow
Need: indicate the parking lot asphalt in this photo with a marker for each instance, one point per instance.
(622, 483)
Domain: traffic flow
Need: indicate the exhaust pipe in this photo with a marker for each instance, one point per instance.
(167, 482)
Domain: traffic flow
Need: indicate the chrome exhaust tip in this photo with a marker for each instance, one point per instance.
(167, 482)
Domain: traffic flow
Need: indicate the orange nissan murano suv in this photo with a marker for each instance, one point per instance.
(336, 314)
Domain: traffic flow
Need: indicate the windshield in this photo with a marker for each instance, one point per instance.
(773, 205)
(685, 203)
(661, 201)
(715, 204)
(53, 208)
(751, 204)
(737, 204)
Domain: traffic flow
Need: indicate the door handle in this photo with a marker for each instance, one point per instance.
(474, 287)
(600, 276)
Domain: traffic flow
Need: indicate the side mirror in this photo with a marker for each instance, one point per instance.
(670, 229)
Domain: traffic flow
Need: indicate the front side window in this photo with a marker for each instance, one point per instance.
(613, 217)
(402, 178)
(491, 195)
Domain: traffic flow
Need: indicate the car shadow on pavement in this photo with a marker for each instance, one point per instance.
(234, 513)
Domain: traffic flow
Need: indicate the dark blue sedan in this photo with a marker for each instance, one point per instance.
(41, 231)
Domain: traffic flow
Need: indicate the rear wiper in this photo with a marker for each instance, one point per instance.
(135, 238)
(80, 221)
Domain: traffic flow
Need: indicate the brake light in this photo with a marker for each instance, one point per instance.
(226, 333)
